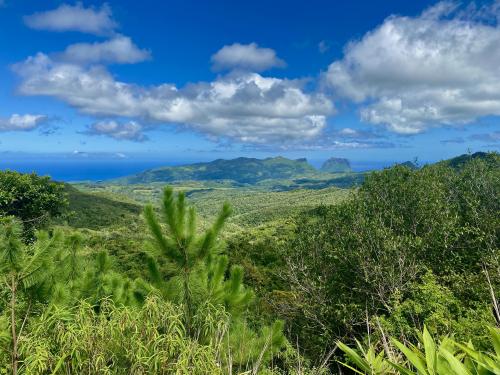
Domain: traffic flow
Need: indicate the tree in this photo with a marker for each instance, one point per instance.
(24, 268)
(367, 258)
(30, 198)
(197, 269)
(189, 268)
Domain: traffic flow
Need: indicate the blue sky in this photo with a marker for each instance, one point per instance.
(197, 80)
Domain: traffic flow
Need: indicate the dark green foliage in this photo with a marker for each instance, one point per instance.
(95, 211)
(34, 200)
(408, 249)
(343, 181)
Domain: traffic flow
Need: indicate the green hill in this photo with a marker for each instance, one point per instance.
(241, 170)
(95, 211)
(491, 158)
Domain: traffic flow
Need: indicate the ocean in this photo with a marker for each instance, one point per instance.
(81, 170)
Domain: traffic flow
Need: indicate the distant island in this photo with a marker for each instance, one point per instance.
(336, 165)
(240, 170)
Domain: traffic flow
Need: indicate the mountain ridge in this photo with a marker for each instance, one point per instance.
(241, 170)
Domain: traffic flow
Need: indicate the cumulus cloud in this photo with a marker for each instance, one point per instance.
(76, 17)
(412, 73)
(18, 122)
(246, 56)
(328, 143)
(357, 134)
(129, 131)
(119, 49)
(247, 107)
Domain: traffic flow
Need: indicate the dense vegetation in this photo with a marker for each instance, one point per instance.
(96, 211)
(399, 276)
(411, 248)
(33, 199)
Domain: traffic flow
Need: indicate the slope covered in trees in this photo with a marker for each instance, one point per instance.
(400, 276)
(95, 211)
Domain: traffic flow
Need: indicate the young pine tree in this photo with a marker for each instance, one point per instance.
(197, 270)
(24, 269)
(187, 267)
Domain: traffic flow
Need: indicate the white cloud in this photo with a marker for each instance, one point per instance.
(18, 122)
(246, 106)
(358, 134)
(325, 144)
(130, 131)
(119, 50)
(74, 18)
(348, 132)
(412, 73)
(246, 56)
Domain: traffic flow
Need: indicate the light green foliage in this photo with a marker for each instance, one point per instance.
(365, 361)
(251, 206)
(429, 303)
(26, 271)
(197, 275)
(30, 266)
(254, 208)
(428, 357)
(198, 269)
(119, 340)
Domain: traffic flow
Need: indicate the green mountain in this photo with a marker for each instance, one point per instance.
(240, 170)
(336, 165)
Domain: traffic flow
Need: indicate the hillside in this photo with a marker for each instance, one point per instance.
(96, 211)
(491, 159)
(241, 170)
